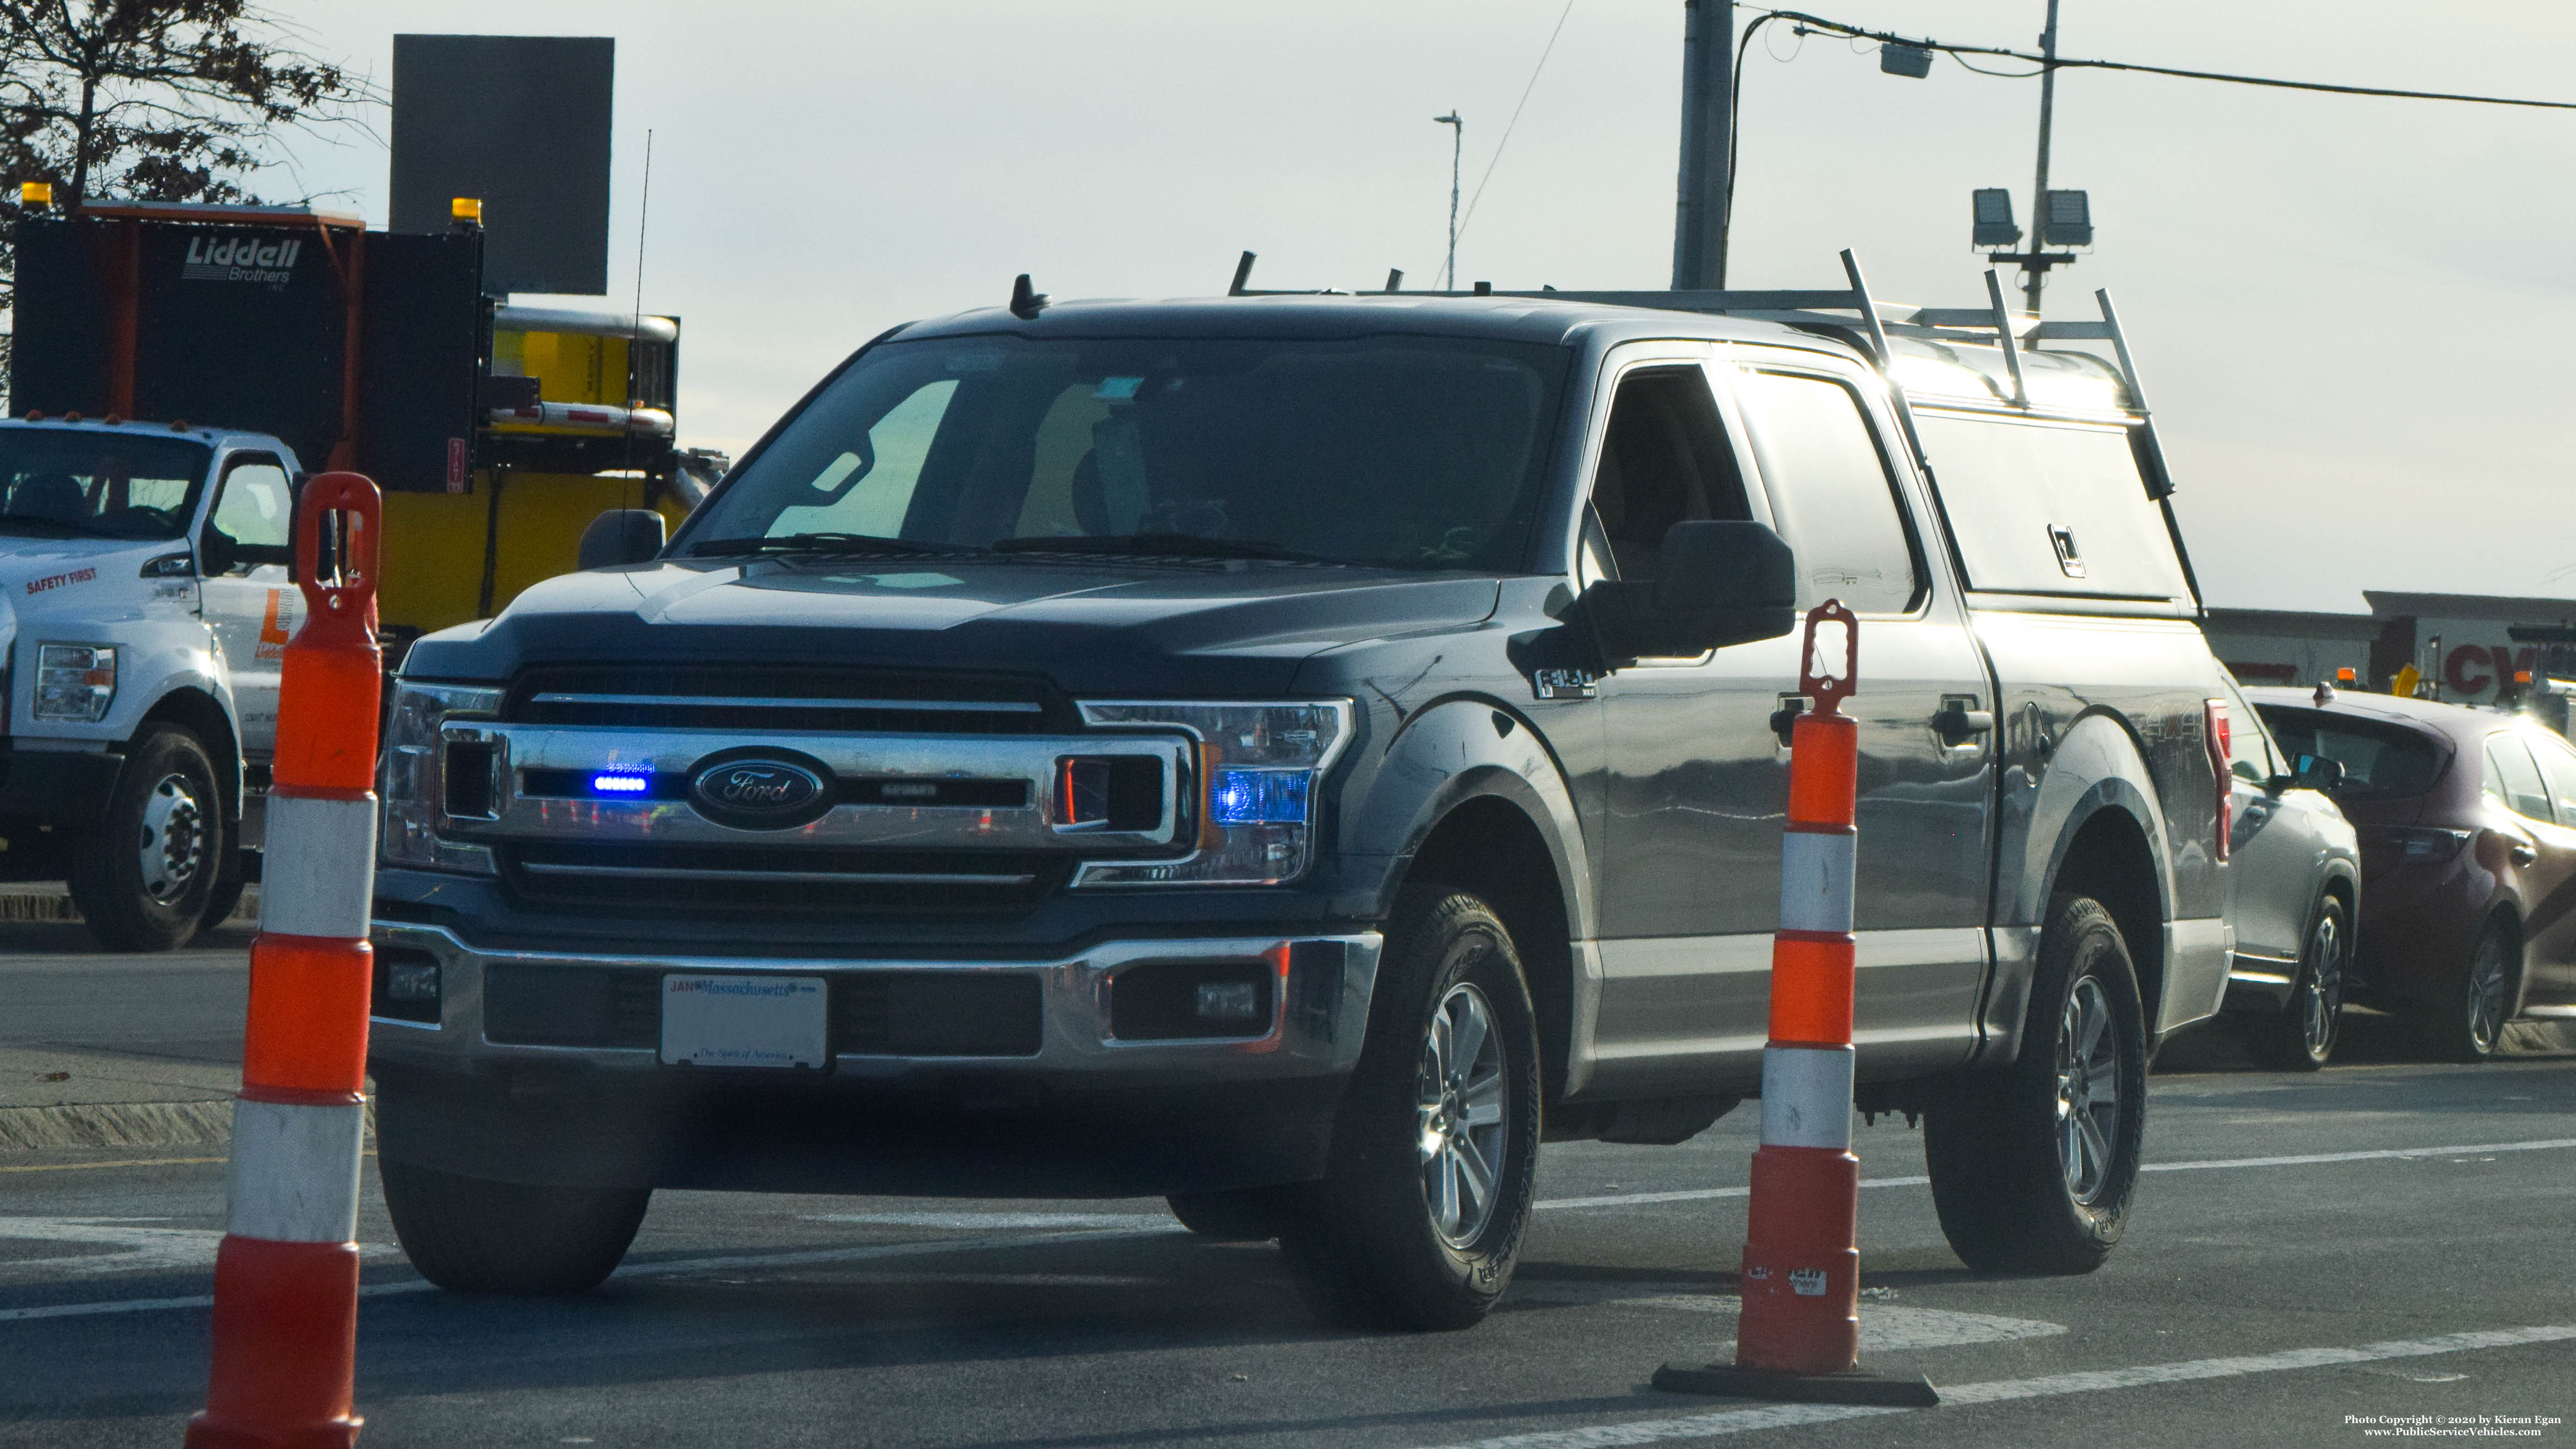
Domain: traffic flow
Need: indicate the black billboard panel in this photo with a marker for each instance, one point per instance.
(425, 327)
(522, 123)
(58, 357)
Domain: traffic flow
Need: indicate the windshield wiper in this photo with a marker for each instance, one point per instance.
(1166, 545)
(848, 543)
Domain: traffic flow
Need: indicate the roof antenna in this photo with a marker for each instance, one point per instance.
(1026, 302)
(1395, 279)
(1242, 276)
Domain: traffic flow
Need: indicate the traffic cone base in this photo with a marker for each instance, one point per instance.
(1734, 1381)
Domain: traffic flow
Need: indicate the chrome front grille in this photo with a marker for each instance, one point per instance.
(949, 795)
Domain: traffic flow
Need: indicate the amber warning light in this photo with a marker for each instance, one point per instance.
(466, 209)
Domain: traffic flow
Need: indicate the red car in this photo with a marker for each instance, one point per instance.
(2467, 820)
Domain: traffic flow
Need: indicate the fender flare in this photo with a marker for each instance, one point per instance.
(1458, 750)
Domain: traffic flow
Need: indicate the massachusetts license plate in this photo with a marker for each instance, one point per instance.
(743, 1021)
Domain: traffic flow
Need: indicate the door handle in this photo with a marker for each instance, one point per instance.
(1958, 721)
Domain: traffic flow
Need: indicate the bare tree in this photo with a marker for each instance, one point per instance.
(152, 100)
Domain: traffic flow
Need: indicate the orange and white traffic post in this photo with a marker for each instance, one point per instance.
(286, 1276)
(1799, 1334)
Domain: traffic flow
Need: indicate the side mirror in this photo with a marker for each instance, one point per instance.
(2317, 772)
(217, 554)
(621, 536)
(1720, 582)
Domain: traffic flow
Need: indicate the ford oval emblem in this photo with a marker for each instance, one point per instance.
(759, 791)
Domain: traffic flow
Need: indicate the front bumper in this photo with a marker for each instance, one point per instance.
(56, 787)
(1083, 1114)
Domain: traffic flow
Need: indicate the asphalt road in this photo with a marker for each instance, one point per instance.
(2263, 1297)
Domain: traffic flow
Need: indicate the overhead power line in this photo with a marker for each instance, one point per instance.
(1548, 50)
(1836, 27)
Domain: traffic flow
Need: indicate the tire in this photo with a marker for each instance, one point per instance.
(2468, 1026)
(143, 873)
(2032, 1170)
(2300, 1037)
(1248, 1215)
(470, 1235)
(230, 882)
(1397, 1236)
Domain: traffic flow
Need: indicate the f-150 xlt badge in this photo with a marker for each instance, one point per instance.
(759, 791)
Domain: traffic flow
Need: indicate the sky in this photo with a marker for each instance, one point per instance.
(2353, 316)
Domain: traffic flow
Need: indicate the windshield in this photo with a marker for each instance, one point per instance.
(2380, 761)
(107, 484)
(1404, 452)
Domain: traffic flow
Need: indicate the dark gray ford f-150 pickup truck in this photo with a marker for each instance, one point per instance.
(1294, 754)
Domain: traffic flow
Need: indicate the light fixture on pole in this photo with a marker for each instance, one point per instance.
(1457, 148)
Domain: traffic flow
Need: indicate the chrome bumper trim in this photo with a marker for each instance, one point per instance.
(1302, 1041)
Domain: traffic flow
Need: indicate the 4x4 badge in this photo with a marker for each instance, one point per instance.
(1566, 684)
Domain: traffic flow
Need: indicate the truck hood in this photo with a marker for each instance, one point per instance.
(1093, 627)
(84, 575)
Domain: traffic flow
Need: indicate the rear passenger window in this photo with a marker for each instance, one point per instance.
(1831, 491)
(2513, 779)
(2558, 766)
(2050, 508)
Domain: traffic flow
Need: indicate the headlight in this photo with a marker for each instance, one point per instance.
(1260, 771)
(74, 682)
(414, 786)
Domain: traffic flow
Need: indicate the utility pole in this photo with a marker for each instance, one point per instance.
(2035, 270)
(1708, 127)
(1457, 148)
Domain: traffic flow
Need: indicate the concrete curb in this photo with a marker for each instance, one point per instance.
(116, 1124)
(127, 1124)
(54, 907)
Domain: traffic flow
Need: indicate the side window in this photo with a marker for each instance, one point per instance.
(2558, 766)
(1664, 460)
(2249, 753)
(256, 510)
(1830, 487)
(2513, 779)
(871, 495)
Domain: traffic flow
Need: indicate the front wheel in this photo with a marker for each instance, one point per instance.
(472, 1235)
(143, 873)
(2032, 1167)
(2301, 1035)
(1435, 1153)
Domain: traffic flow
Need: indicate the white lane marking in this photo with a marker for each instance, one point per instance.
(1883, 1327)
(1780, 1416)
(1635, 1199)
(137, 1246)
(667, 1269)
(1020, 1222)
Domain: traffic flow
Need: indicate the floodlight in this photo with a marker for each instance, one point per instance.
(2070, 220)
(1898, 58)
(1994, 218)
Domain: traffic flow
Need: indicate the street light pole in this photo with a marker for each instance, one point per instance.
(2035, 271)
(1457, 148)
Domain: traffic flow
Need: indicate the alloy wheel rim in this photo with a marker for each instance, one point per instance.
(2487, 992)
(2322, 996)
(1460, 1093)
(2088, 1091)
(173, 845)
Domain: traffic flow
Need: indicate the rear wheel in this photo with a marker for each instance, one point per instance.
(1435, 1153)
(472, 1235)
(143, 873)
(2468, 1028)
(2033, 1167)
(2301, 1035)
